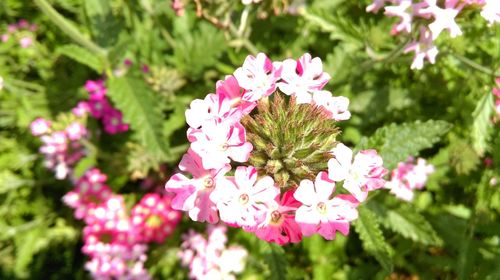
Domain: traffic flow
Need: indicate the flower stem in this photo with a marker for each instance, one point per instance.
(68, 28)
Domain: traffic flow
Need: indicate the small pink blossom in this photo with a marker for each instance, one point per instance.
(112, 120)
(405, 10)
(4, 38)
(26, 42)
(213, 108)
(360, 176)
(279, 225)
(230, 90)
(258, 76)
(81, 109)
(376, 5)
(335, 106)
(192, 195)
(153, 218)
(241, 199)
(76, 131)
(40, 126)
(217, 142)
(443, 18)
(424, 48)
(320, 214)
(408, 177)
(303, 77)
(491, 11)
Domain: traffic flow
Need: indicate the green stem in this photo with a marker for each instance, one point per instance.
(476, 66)
(69, 29)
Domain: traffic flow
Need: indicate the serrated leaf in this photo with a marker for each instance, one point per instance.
(103, 24)
(276, 260)
(409, 223)
(82, 56)
(396, 142)
(138, 105)
(368, 228)
(481, 126)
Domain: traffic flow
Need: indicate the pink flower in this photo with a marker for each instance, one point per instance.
(153, 218)
(26, 42)
(423, 48)
(40, 126)
(230, 90)
(302, 77)
(258, 76)
(216, 142)
(241, 200)
(279, 225)
(4, 38)
(215, 107)
(192, 195)
(76, 131)
(98, 107)
(362, 175)
(376, 5)
(96, 86)
(407, 177)
(443, 18)
(406, 10)
(336, 107)
(81, 109)
(322, 215)
(112, 120)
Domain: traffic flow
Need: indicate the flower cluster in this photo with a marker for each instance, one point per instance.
(115, 241)
(22, 31)
(409, 176)
(210, 258)
(280, 150)
(100, 108)
(62, 148)
(429, 19)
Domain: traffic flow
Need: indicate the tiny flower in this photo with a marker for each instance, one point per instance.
(336, 106)
(424, 48)
(40, 126)
(76, 131)
(491, 11)
(279, 225)
(376, 6)
(213, 108)
(408, 177)
(258, 76)
(81, 109)
(320, 214)
(1, 83)
(302, 77)
(443, 18)
(216, 143)
(113, 121)
(241, 200)
(405, 10)
(25, 42)
(192, 195)
(230, 90)
(360, 176)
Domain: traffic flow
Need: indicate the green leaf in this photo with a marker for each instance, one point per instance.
(82, 56)
(368, 228)
(409, 223)
(103, 24)
(138, 105)
(481, 126)
(274, 256)
(396, 142)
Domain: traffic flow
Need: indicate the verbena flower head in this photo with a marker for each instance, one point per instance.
(153, 218)
(264, 135)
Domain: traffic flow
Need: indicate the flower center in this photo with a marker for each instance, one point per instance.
(208, 182)
(321, 207)
(244, 198)
(106, 238)
(291, 141)
(224, 147)
(154, 221)
(275, 216)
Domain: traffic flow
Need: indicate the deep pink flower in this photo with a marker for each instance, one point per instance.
(320, 214)
(279, 225)
(230, 90)
(98, 107)
(302, 77)
(217, 142)
(112, 120)
(153, 218)
(360, 176)
(258, 76)
(192, 195)
(241, 199)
